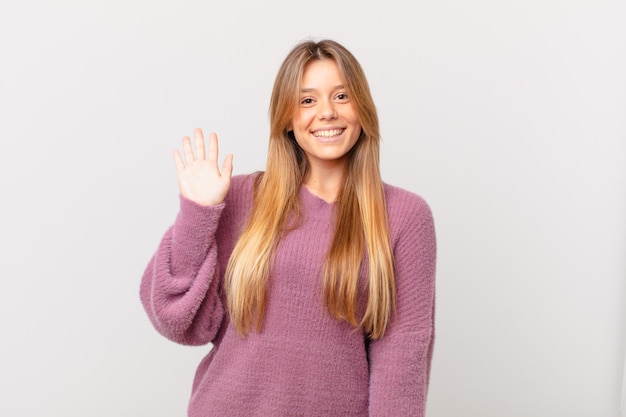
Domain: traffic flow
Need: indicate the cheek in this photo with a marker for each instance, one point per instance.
(301, 144)
(303, 119)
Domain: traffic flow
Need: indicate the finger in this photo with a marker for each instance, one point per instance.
(187, 150)
(178, 161)
(199, 143)
(227, 166)
(212, 156)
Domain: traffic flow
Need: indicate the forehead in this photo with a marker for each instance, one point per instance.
(320, 73)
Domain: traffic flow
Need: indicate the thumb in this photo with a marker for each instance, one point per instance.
(227, 166)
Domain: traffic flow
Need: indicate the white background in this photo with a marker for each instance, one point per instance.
(509, 117)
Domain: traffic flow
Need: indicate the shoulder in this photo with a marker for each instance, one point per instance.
(237, 204)
(241, 188)
(239, 199)
(409, 215)
(243, 183)
(402, 203)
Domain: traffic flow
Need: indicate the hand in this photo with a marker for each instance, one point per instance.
(199, 177)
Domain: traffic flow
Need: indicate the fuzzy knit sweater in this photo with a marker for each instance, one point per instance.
(303, 362)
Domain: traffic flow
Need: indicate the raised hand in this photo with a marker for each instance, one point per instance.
(199, 177)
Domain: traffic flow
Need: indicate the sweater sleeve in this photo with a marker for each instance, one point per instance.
(180, 286)
(400, 361)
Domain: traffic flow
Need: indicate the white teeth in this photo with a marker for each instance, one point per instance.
(327, 133)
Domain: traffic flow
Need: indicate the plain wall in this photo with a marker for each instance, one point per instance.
(509, 117)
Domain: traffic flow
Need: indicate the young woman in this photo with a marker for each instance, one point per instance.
(313, 280)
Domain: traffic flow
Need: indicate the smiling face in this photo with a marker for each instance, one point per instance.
(325, 123)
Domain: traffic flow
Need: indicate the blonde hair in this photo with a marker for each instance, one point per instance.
(361, 227)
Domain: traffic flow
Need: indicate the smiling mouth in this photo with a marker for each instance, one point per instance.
(327, 133)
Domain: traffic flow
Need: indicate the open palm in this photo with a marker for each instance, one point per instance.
(199, 176)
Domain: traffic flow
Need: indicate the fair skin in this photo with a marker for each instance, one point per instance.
(326, 127)
(199, 177)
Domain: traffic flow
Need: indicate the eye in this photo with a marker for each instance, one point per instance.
(307, 101)
(343, 97)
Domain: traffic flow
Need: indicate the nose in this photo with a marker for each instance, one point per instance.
(327, 110)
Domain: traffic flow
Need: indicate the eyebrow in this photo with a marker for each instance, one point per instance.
(308, 90)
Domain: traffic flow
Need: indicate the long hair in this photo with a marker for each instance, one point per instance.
(362, 230)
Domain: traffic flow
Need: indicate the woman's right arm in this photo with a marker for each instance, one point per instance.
(180, 287)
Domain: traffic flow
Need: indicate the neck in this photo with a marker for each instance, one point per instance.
(325, 182)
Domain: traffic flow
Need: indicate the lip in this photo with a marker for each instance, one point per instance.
(329, 139)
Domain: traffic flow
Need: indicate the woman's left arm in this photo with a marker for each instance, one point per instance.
(400, 361)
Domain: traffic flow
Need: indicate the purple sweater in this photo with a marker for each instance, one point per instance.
(303, 362)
